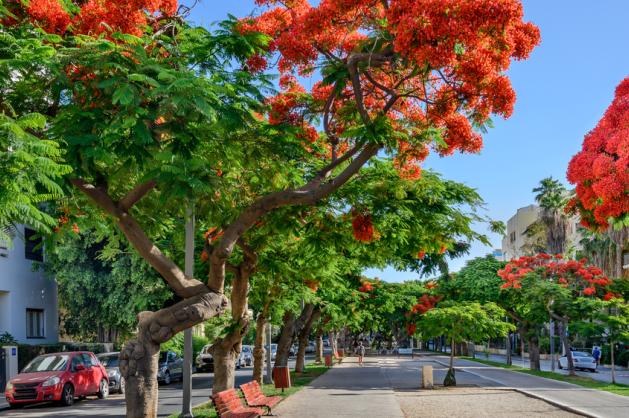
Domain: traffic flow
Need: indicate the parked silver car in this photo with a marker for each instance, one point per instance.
(110, 363)
(170, 367)
(246, 355)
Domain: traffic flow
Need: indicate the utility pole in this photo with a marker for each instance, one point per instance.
(269, 370)
(186, 407)
(551, 333)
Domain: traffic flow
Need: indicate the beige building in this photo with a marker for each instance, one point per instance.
(514, 242)
(518, 243)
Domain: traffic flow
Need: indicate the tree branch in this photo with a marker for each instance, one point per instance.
(306, 195)
(136, 194)
(182, 285)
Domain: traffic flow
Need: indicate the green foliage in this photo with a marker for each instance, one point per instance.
(477, 281)
(101, 294)
(465, 321)
(7, 339)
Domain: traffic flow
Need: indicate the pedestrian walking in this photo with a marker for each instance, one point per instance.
(596, 353)
(361, 352)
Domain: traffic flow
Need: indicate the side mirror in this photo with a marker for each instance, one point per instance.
(79, 367)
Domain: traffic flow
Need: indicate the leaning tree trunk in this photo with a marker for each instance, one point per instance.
(225, 350)
(258, 349)
(291, 327)
(139, 357)
(303, 335)
(319, 346)
(534, 357)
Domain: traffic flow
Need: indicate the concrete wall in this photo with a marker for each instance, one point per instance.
(22, 288)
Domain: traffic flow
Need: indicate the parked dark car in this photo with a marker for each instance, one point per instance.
(110, 362)
(170, 367)
(58, 377)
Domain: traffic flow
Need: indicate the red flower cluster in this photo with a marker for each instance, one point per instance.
(95, 16)
(366, 287)
(575, 275)
(425, 303)
(411, 328)
(452, 54)
(363, 228)
(213, 234)
(601, 169)
(312, 284)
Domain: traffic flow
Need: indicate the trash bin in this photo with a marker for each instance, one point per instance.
(328, 360)
(341, 352)
(281, 377)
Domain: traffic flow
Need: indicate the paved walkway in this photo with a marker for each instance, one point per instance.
(389, 387)
(346, 390)
(589, 402)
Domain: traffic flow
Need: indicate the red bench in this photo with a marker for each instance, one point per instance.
(255, 397)
(229, 405)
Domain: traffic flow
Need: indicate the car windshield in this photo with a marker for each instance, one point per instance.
(109, 360)
(206, 350)
(47, 364)
(580, 354)
(163, 356)
(246, 349)
(273, 347)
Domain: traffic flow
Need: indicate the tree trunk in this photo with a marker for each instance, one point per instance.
(286, 339)
(258, 349)
(139, 357)
(509, 358)
(534, 358)
(303, 335)
(332, 339)
(566, 346)
(450, 379)
(319, 348)
(292, 326)
(225, 351)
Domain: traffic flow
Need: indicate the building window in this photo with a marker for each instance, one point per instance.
(512, 237)
(625, 260)
(32, 246)
(34, 323)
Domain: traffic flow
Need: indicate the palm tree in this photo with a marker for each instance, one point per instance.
(551, 196)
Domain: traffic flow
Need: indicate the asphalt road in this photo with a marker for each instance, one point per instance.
(114, 406)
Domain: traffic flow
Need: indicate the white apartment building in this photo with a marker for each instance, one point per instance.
(514, 241)
(28, 299)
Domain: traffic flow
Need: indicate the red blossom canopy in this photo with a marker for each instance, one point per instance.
(601, 169)
(92, 17)
(431, 69)
(576, 275)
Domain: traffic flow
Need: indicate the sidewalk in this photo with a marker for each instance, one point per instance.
(388, 387)
(346, 390)
(589, 402)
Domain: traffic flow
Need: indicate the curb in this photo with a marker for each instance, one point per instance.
(528, 393)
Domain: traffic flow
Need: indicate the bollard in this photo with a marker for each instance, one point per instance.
(328, 360)
(427, 377)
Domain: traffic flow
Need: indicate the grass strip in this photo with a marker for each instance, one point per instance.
(617, 388)
(298, 381)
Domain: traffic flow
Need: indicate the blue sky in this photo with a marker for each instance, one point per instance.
(563, 90)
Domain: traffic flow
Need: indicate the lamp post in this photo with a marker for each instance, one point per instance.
(186, 406)
(269, 370)
(551, 333)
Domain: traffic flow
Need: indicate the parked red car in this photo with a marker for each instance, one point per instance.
(58, 377)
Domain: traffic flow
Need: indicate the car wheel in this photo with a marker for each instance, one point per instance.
(122, 385)
(67, 395)
(559, 365)
(103, 389)
(167, 379)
